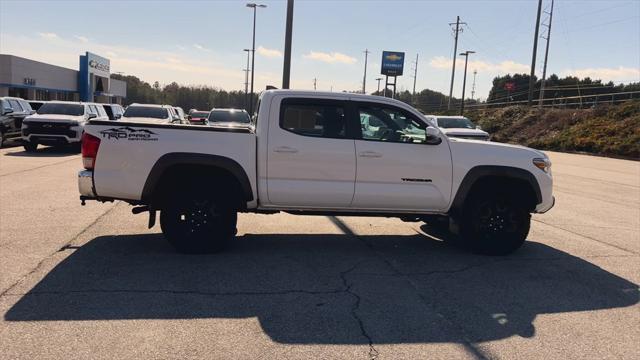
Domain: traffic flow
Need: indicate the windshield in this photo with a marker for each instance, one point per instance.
(146, 112)
(460, 123)
(238, 116)
(199, 114)
(61, 109)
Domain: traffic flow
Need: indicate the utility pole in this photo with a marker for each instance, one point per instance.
(415, 76)
(533, 56)
(464, 81)
(286, 71)
(455, 51)
(473, 87)
(253, 52)
(378, 80)
(315, 80)
(364, 79)
(246, 82)
(546, 56)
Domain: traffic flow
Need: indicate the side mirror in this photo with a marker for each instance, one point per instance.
(32, 112)
(188, 117)
(118, 116)
(7, 111)
(478, 127)
(432, 136)
(92, 116)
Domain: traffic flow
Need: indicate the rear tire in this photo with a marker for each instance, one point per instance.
(30, 146)
(198, 223)
(495, 224)
(1, 139)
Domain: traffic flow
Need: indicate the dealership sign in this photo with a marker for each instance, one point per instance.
(392, 63)
(98, 65)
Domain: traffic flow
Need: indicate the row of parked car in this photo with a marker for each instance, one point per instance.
(62, 122)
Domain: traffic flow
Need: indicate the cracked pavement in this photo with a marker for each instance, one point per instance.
(94, 283)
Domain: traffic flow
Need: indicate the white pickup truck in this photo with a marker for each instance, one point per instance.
(313, 153)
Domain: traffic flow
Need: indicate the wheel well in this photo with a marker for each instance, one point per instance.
(514, 187)
(193, 177)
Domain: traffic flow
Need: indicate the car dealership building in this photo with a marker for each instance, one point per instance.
(34, 80)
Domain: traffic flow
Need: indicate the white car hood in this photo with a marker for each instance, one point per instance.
(490, 148)
(463, 132)
(54, 118)
(145, 120)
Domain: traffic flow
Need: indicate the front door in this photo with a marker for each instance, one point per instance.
(396, 169)
(311, 155)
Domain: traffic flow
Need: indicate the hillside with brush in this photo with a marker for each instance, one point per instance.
(610, 130)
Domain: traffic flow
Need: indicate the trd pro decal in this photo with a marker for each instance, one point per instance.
(127, 133)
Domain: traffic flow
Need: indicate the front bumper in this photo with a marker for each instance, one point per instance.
(85, 184)
(546, 206)
(50, 133)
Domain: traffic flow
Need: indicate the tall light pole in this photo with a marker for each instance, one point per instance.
(464, 81)
(254, 6)
(286, 71)
(246, 82)
(378, 79)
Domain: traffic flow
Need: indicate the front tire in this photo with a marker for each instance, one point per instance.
(30, 146)
(495, 224)
(1, 139)
(196, 224)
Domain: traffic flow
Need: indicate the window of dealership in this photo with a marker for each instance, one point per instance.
(34, 80)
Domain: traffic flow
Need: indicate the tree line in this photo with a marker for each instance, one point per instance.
(505, 89)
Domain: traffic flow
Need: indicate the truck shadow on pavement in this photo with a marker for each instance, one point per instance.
(326, 288)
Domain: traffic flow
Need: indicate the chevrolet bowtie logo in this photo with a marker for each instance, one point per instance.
(393, 57)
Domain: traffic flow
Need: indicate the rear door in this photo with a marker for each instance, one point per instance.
(396, 169)
(310, 154)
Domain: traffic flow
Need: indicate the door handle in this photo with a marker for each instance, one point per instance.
(370, 154)
(286, 150)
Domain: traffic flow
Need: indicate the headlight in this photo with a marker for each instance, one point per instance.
(542, 164)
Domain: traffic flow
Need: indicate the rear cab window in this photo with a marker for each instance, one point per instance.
(314, 117)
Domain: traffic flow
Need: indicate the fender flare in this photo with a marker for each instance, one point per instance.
(179, 158)
(479, 172)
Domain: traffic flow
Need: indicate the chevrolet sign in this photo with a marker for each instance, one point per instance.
(392, 63)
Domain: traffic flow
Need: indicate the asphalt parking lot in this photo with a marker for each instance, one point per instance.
(93, 282)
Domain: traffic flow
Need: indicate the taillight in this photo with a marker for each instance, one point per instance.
(90, 145)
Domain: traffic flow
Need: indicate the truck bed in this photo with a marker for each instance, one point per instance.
(134, 148)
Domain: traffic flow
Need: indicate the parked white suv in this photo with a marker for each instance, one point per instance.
(151, 113)
(59, 123)
(458, 126)
(309, 153)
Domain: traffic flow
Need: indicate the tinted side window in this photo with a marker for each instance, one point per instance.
(101, 111)
(109, 111)
(15, 105)
(25, 105)
(319, 120)
(382, 123)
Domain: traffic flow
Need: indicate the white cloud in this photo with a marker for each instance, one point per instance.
(504, 67)
(270, 53)
(81, 38)
(48, 35)
(331, 58)
(149, 65)
(619, 74)
(201, 48)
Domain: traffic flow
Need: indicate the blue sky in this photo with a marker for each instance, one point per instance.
(202, 42)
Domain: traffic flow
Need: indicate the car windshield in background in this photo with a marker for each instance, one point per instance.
(61, 109)
(199, 114)
(146, 112)
(449, 123)
(229, 116)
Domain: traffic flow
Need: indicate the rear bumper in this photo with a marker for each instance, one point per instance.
(85, 184)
